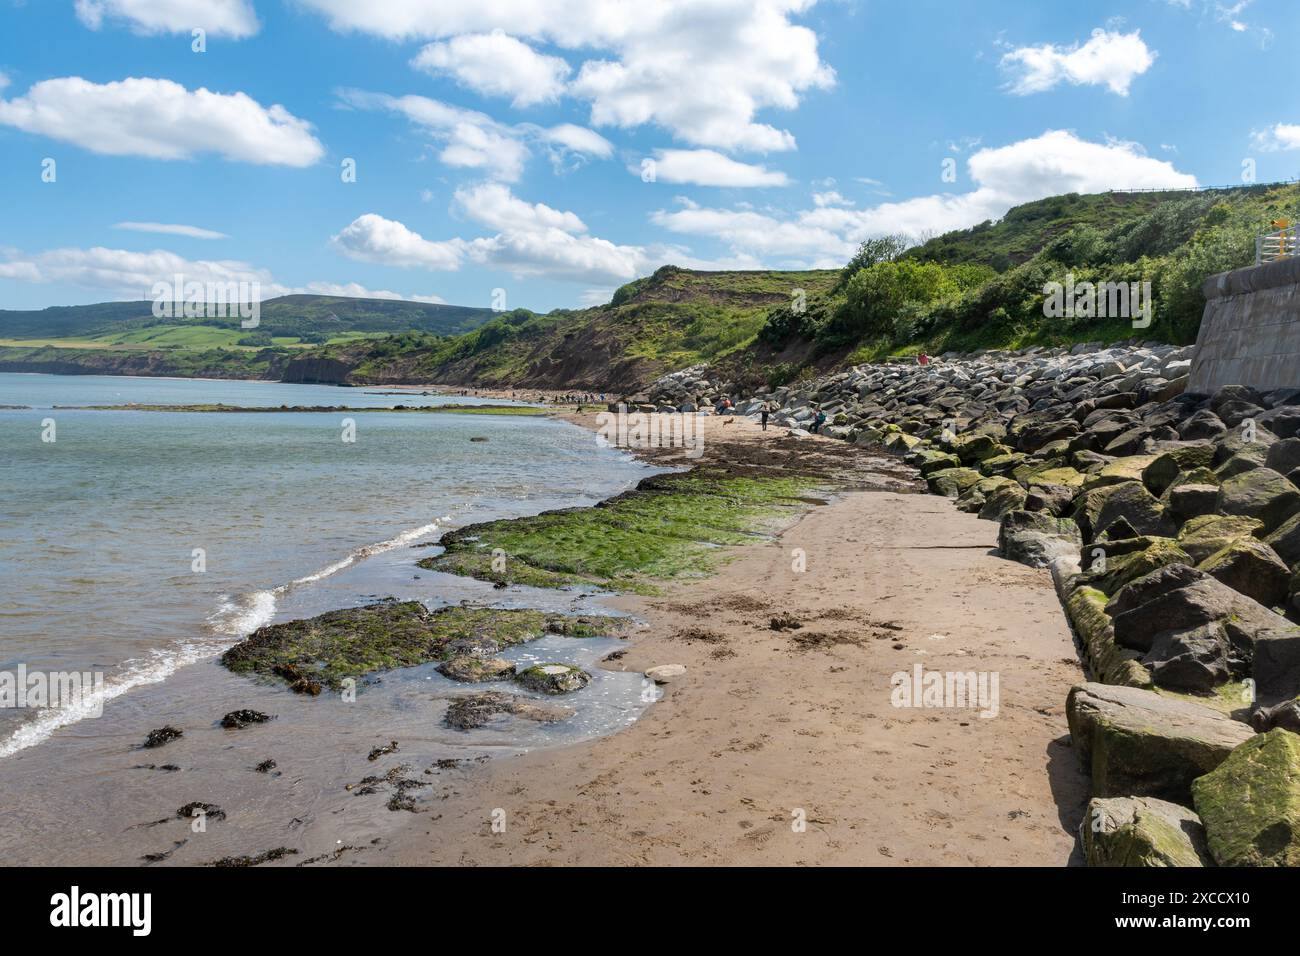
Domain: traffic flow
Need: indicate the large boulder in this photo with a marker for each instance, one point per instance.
(1188, 598)
(1285, 540)
(1196, 659)
(1261, 493)
(1204, 535)
(951, 482)
(1036, 538)
(1276, 666)
(1118, 569)
(1250, 803)
(1119, 471)
(1166, 467)
(1132, 502)
(1283, 456)
(1141, 743)
(976, 448)
(1005, 498)
(1141, 831)
(1251, 567)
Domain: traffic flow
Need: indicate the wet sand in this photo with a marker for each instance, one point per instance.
(770, 729)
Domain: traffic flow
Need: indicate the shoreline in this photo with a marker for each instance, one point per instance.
(749, 744)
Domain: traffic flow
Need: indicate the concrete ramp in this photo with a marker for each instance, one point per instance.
(1250, 332)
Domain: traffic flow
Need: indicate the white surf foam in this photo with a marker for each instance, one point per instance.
(160, 665)
(234, 618)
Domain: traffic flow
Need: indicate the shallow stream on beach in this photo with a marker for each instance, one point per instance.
(99, 536)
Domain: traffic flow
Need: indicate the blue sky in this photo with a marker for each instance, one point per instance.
(555, 150)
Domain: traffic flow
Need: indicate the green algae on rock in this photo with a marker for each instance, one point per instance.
(668, 526)
(355, 642)
(1141, 831)
(553, 678)
(1250, 804)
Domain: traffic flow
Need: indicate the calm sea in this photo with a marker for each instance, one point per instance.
(140, 544)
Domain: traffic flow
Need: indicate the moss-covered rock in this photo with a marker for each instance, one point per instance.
(976, 448)
(930, 460)
(1132, 502)
(1166, 467)
(1141, 743)
(1004, 498)
(1002, 464)
(1250, 566)
(1250, 804)
(1202, 536)
(1261, 493)
(473, 669)
(1115, 572)
(1129, 468)
(951, 482)
(553, 678)
(355, 642)
(1106, 660)
(670, 525)
(1141, 831)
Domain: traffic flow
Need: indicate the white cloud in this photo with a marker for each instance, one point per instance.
(171, 229)
(468, 138)
(577, 139)
(700, 70)
(131, 275)
(1110, 58)
(1280, 136)
(531, 239)
(831, 198)
(1048, 165)
(495, 64)
(231, 18)
(556, 254)
(161, 119)
(493, 205)
(354, 290)
(706, 167)
(126, 273)
(474, 140)
(372, 238)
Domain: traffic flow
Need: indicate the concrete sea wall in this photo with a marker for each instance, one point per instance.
(1250, 332)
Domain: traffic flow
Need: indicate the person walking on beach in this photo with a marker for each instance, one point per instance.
(763, 413)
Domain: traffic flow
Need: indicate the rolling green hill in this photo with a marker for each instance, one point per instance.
(672, 319)
(292, 318)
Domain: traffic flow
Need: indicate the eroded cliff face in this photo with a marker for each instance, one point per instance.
(314, 370)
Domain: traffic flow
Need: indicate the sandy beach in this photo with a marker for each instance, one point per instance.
(782, 746)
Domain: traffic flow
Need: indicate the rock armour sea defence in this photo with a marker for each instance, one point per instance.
(1170, 521)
